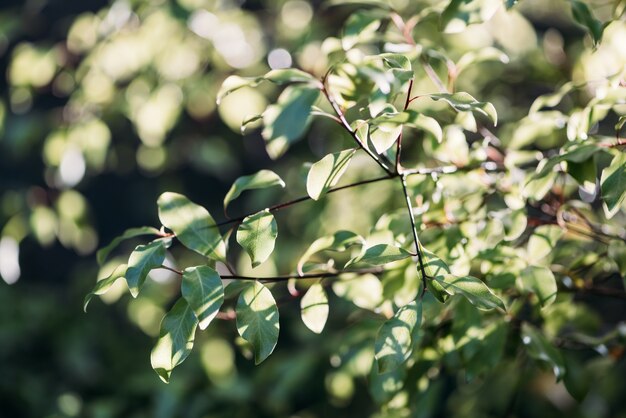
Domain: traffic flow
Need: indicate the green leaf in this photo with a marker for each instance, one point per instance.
(103, 286)
(278, 76)
(551, 100)
(290, 75)
(539, 348)
(378, 255)
(480, 55)
(176, 338)
(460, 13)
(143, 259)
(433, 266)
(193, 225)
(103, 253)
(613, 184)
(474, 290)
(233, 83)
(339, 241)
(260, 180)
(325, 173)
(514, 223)
(412, 119)
(543, 241)
(584, 16)
(364, 290)
(257, 320)
(288, 119)
(541, 282)
(384, 135)
(314, 308)
(360, 27)
(202, 289)
(574, 154)
(464, 102)
(257, 235)
(537, 187)
(398, 336)
(249, 120)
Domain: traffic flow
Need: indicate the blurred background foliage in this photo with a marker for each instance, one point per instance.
(105, 105)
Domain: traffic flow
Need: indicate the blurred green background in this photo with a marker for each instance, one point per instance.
(105, 105)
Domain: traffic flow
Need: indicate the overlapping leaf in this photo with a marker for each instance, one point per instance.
(397, 337)
(176, 339)
(193, 225)
(257, 320)
(202, 289)
(260, 180)
(257, 235)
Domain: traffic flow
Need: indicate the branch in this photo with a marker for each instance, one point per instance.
(418, 250)
(284, 205)
(352, 132)
(307, 276)
(285, 277)
(399, 140)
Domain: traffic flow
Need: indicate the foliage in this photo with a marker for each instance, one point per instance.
(461, 205)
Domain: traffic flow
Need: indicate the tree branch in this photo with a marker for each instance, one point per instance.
(352, 132)
(285, 277)
(418, 250)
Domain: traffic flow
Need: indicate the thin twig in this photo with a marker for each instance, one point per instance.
(399, 140)
(285, 277)
(418, 250)
(351, 131)
(284, 205)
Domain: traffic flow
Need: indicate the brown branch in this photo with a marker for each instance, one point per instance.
(306, 276)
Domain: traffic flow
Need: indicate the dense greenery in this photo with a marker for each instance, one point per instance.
(448, 240)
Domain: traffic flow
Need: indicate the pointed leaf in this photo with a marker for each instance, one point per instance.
(474, 290)
(257, 320)
(339, 241)
(325, 173)
(384, 135)
(233, 83)
(288, 119)
(289, 75)
(278, 76)
(584, 16)
(543, 241)
(360, 26)
(364, 290)
(412, 119)
(398, 336)
(143, 259)
(464, 102)
(103, 253)
(314, 308)
(378, 255)
(257, 235)
(103, 286)
(193, 225)
(260, 180)
(613, 184)
(202, 289)
(541, 282)
(176, 338)
(480, 55)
